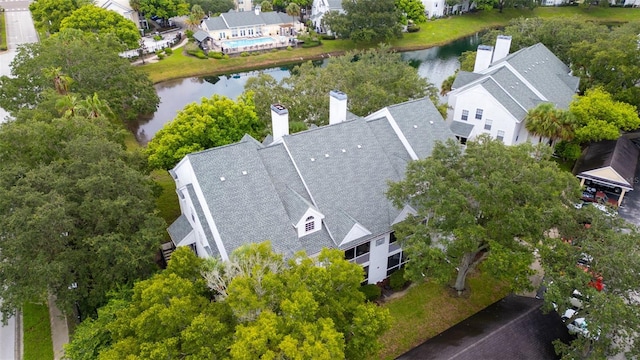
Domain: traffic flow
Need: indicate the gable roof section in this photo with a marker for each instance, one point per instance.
(545, 72)
(339, 170)
(212, 251)
(610, 161)
(512, 328)
(238, 189)
(215, 23)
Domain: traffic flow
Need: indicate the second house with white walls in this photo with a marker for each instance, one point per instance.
(324, 187)
(495, 97)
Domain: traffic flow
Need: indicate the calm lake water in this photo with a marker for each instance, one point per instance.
(435, 64)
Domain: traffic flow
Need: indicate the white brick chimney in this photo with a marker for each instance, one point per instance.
(337, 107)
(279, 121)
(503, 44)
(483, 57)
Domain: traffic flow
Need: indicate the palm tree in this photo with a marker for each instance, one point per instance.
(67, 105)
(293, 10)
(547, 121)
(93, 107)
(61, 81)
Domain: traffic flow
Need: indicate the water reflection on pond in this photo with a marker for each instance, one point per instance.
(436, 64)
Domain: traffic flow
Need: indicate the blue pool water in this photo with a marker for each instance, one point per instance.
(247, 42)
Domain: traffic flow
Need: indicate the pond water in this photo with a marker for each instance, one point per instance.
(435, 64)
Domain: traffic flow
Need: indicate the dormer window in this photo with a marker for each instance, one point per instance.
(309, 224)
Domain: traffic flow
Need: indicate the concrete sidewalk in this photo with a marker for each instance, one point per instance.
(59, 329)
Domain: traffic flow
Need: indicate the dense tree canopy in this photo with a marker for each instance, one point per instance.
(214, 122)
(92, 64)
(599, 117)
(164, 9)
(488, 204)
(48, 14)
(265, 307)
(371, 79)
(76, 212)
(213, 7)
(98, 20)
(575, 260)
(414, 9)
(368, 21)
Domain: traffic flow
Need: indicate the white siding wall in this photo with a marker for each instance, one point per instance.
(479, 98)
(434, 8)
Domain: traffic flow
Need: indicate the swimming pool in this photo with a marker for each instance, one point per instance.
(247, 42)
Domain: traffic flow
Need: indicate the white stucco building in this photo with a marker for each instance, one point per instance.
(324, 187)
(495, 97)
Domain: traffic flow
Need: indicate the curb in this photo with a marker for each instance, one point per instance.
(18, 342)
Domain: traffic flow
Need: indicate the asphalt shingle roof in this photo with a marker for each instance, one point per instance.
(235, 19)
(461, 128)
(179, 229)
(339, 170)
(621, 155)
(200, 35)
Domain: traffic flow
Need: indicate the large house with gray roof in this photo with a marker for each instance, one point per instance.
(324, 187)
(503, 87)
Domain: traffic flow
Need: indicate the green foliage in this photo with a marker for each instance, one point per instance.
(189, 34)
(372, 79)
(397, 280)
(73, 205)
(168, 51)
(214, 122)
(447, 84)
(413, 28)
(568, 150)
(164, 9)
(414, 10)
(213, 7)
(48, 14)
(91, 62)
(463, 197)
(599, 117)
(371, 291)
(266, 6)
(266, 308)
(548, 121)
(215, 55)
(157, 37)
(366, 21)
(95, 19)
(614, 257)
(467, 61)
(244, 54)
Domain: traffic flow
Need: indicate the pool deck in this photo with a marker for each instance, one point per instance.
(282, 42)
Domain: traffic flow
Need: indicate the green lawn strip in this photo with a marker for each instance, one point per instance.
(428, 309)
(3, 32)
(37, 332)
(432, 33)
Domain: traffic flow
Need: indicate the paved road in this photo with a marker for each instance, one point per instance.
(20, 30)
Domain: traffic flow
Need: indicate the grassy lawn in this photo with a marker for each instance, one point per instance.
(428, 309)
(37, 332)
(432, 33)
(3, 33)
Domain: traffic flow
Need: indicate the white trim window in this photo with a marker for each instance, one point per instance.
(500, 135)
(465, 115)
(487, 124)
(479, 114)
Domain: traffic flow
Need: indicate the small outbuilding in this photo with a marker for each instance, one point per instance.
(610, 164)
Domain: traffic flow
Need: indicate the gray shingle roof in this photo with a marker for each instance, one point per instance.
(463, 78)
(341, 170)
(234, 19)
(213, 250)
(621, 155)
(548, 74)
(515, 108)
(200, 35)
(179, 229)
(461, 128)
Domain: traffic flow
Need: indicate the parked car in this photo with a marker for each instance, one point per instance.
(580, 327)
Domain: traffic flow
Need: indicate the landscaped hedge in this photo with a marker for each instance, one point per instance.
(215, 55)
(413, 28)
(397, 280)
(371, 291)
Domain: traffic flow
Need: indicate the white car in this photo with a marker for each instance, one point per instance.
(576, 299)
(579, 327)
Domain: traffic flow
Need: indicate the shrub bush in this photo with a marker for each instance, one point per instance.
(215, 55)
(289, 48)
(327, 37)
(371, 292)
(189, 34)
(308, 44)
(160, 56)
(157, 37)
(168, 51)
(226, 56)
(568, 150)
(244, 54)
(413, 28)
(397, 280)
(201, 55)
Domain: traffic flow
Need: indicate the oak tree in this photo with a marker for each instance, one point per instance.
(485, 206)
(95, 19)
(366, 21)
(214, 122)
